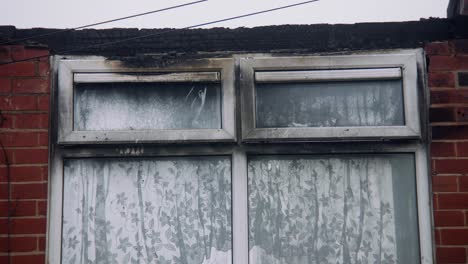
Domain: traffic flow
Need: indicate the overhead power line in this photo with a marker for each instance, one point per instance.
(101, 23)
(166, 31)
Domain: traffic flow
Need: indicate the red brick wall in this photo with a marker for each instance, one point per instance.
(448, 64)
(24, 106)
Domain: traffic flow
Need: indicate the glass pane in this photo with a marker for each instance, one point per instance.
(332, 209)
(330, 104)
(129, 106)
(147, 210)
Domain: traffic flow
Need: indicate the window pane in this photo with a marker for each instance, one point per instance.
(330, 104)
(151, 210)
(129, 106)
(332, 209)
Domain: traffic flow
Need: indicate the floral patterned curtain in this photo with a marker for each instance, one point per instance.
(153, 210)
(328, 209)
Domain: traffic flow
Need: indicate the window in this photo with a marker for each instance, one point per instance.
(263, 196)
(104, 101)
(337, 98)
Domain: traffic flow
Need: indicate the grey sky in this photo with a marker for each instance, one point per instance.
(66, 14)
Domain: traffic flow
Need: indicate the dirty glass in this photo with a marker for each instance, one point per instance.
(147, 210)
(332, 209)
(330, 104)
(131, 106)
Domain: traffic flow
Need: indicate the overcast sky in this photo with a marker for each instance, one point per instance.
(67, 14)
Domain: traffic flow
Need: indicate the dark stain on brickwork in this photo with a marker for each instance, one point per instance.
(463, 79)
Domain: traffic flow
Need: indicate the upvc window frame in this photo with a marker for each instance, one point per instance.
(239, 182)
(239, 153)
(332, 68)
(97, 70)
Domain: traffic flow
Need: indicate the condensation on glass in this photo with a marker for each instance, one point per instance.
(330, 104)
(332, 209)
(140, 106)
(147, 210)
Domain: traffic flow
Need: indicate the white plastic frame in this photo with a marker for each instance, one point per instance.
(71, 71)
(239, 162)
(390, 65)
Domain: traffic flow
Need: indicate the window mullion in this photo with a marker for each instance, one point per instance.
(239, 208)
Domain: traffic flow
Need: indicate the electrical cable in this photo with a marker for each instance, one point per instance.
(164, 32)
(101, 23)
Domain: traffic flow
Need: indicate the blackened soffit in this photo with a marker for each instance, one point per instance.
(284, 38)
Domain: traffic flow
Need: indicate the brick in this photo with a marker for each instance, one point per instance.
(452, 200)
(24, 174)
(41, 243)
(3, 174)
(8, 157)
(17, 49)
(3, 225)
(20, 69)
(5, 85)
(441, 79)
(442, 115)
(7, 121)
(43, 103)
(463, 184)
(29, 191)
(442, 149)
(5, 54)
(27, 259)
(3, 209)
(461, 114)
(446, 255)
(18, 244)
(20, 139)
(30, 86)
(28, 226)
(449, 218)
(462, 149)
(31, 121)
(450, 132)
(43, 139)
(446, 63)
(454, 236)
(3, 191)
(437, 237)
(461, 46)
(21, 53)
(18, 103)
(30, 156)
(18, 208)
(463, 79)
(449, 96)
(444, 184)
(42, 208)
(438, 48)
(451, 166)
(44, 68)
(23, 208)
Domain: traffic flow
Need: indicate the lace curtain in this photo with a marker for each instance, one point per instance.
(155, 210)
(306, 209)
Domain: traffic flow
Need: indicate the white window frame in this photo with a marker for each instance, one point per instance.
(239, 158)
(383, 66)
(82, 70)
(238, 153)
